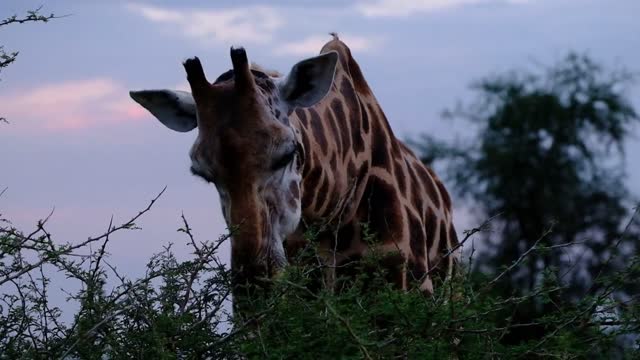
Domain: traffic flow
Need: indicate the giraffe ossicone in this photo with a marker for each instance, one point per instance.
(310, 147)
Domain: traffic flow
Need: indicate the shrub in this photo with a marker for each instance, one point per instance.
(180, 309)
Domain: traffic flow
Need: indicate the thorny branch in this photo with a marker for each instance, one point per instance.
(203, 289)
(32, 16)
(522, 257)
(67, 248)
(467, 235)
(7, 58)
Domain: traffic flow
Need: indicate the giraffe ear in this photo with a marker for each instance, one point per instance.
(309, 80)
(175, 109)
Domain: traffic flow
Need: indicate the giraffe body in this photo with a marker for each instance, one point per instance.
(312, 147)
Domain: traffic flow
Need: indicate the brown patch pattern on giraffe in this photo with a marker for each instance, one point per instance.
(352, 153)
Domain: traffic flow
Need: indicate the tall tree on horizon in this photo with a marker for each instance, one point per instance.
(548, 153)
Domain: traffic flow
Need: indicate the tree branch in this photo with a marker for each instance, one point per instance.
(32, 16)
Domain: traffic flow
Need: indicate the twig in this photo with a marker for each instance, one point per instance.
(521, 258)
(615, 246)
(101, 253)
(558, 246)
(90, 331)
(344, 321)
(468, 234)
(48, 257)
(32, 16)
(202, 257)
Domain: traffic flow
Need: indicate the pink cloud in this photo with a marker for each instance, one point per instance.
(71, 105)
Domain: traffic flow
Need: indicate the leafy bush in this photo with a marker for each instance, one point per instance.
(180, 309)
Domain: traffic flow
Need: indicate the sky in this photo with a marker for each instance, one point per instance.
(77, 143)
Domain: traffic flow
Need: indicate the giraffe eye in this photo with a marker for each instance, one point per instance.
(284, 160)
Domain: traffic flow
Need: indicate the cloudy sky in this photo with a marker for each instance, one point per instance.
(77, 143)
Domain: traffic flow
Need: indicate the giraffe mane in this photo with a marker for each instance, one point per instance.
(272, 73)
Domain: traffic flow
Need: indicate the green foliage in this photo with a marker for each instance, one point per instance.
(179, 309)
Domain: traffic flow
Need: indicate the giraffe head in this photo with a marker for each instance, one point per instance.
(247, 147)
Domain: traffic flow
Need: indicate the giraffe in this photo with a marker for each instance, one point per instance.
(311, 147)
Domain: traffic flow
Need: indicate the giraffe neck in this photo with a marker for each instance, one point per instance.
(356, 171)
(335, 134)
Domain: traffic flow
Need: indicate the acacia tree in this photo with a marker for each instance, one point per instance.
(548, 154)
